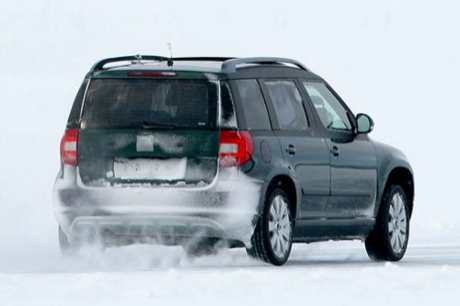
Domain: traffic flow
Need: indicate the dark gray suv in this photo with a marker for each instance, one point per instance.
(203, 152)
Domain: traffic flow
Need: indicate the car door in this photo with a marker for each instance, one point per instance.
(304, 150)
(352, 156)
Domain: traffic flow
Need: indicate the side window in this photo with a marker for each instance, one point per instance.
(254, 105)
(331, 112)
(288, 105)
(227, 111)
(74, 116)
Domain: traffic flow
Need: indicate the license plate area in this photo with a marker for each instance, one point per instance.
(149, 169)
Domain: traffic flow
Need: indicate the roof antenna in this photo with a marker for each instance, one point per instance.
(170, 60)
(138, 58)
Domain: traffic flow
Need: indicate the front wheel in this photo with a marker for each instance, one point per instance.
(272, 239)
(389, 239)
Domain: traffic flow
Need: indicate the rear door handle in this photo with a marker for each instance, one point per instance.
(290, 150)
(335, 151)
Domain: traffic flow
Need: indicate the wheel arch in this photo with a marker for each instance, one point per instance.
(403, 177)
(286, 183)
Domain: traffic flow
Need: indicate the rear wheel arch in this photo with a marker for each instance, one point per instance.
(287, 184)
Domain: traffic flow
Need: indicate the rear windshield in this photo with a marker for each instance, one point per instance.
(148, 103)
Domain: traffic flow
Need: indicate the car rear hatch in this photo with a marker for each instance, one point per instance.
(155, 128)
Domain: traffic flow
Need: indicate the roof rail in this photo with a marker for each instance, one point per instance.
(204, 59)
(230, 65)
(99, 65)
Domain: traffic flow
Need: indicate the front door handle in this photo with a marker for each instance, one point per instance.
(335, 151)
(290, 150)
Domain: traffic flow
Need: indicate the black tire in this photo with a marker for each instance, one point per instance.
(389, 239)
(264, 241)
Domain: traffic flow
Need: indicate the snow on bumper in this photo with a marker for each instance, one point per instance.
(225, 209)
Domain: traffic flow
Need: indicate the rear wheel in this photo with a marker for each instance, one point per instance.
(272, 239)
(389, 239)
(64, 244)
(72, 247)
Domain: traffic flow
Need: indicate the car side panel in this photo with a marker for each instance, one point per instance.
(266, 161)
(310, 166)
(388, 158)
(353, 179)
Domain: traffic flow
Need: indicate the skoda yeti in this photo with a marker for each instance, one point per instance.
(202, 152)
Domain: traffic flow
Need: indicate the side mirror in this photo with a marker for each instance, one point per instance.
(365, 123)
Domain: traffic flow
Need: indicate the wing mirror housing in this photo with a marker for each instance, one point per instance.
(365, 124)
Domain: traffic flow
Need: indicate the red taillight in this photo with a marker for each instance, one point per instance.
(69, 147)
(151, 74)
(236, 148)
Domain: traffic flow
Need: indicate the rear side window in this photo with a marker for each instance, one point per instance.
(74, 117)
(287, 102)
(137, 103)
(255, 110)
(227, 113)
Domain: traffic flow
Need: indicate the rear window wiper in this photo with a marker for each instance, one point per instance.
(158, 126)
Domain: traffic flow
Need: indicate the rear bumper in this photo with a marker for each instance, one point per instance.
(225, 209)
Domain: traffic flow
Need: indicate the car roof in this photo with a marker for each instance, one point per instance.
(215, 67)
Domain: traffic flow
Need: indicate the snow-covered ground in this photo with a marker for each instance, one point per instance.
(326, 274)
(395, 60)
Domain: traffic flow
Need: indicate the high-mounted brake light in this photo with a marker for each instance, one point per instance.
(152, 74)
(236, 148)
(69, 147)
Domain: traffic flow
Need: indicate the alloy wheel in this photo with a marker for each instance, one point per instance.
(397, 223)
(279, 227)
